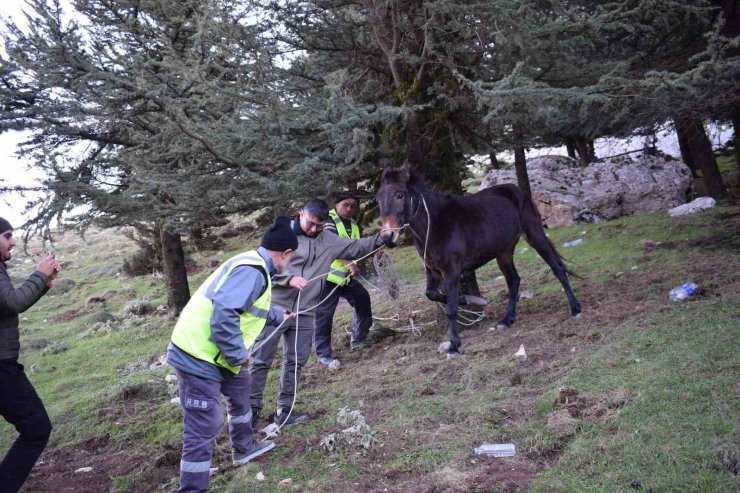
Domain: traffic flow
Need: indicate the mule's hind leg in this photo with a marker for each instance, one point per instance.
(452, 289)
(547, 251)
(506, 264)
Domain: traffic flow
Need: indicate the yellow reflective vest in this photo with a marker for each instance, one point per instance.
(339, 273)
(192, 332)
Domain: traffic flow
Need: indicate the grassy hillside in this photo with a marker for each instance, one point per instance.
(652, 385)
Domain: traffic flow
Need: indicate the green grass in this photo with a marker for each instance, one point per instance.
(682, 373)
(678, 363)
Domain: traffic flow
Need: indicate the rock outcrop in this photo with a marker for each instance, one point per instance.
(566, 194)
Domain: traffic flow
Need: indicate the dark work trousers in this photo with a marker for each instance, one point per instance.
(20, 406)
(263, 354)
(362, 314)
(200, 399)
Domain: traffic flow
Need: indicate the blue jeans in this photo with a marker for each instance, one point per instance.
(21, 406)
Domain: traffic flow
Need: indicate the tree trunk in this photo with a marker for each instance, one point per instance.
(649, 145)
(520, 161)
(701, 153)
(736, 127)
(173, 264)
(570, 148)
(494, 161)
(584, 153)
(683, 144)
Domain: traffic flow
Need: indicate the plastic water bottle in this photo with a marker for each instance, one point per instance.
(682, 292)
(573, 242)
(495, 450)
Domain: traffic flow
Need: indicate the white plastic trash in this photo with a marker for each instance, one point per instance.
(496, 450)
(573, 242)
(682, 292)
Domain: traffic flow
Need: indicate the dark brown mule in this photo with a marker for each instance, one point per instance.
(461, 233)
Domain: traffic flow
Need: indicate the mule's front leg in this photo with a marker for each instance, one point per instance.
(451, 286)
(432, 291)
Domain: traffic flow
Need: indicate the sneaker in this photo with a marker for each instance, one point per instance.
(360, 344)
(331, 363)
(282, 418)
(258, 448)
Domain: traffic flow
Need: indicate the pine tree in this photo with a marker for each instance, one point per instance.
(143, 112)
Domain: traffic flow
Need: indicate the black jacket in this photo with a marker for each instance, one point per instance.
(13, 302)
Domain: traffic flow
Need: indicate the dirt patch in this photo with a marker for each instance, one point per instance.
(56, 470)
(70, 315)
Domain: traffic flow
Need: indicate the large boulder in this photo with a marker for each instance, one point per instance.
(566, 194)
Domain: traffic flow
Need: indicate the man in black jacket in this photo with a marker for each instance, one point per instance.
(19, 404)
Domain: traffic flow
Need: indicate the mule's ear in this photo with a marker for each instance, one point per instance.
(386, 169)
(405, 171)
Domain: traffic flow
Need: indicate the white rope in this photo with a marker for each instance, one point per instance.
(295, 350)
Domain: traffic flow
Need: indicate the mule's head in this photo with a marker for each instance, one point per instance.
(394, 200)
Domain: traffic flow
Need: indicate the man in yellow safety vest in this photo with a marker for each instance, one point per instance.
(210, 350)
(341, 281)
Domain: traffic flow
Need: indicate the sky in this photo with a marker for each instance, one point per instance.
(12, 169)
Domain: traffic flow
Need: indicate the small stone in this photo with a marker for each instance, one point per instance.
(521, 354)
(272, 430)
(83, 469)
(572, 350)
(212, 471)
(170, 378)
(526, 294)
(260, 476)
(175, 400)
(286, 483)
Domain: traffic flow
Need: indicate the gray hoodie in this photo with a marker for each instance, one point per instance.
(312, 258)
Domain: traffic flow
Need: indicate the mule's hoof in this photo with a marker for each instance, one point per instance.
(474, 300)
(452, 355)
(444, 347)
(502, 326)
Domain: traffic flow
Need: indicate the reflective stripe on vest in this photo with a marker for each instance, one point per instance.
(192, 332)
(339, 273)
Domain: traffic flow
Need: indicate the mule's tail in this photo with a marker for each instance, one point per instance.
(535, 233)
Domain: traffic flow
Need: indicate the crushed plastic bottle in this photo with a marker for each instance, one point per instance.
(495, 450)
(682, 292)
(573, 242)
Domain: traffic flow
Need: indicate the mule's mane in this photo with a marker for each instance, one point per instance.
(418, 183)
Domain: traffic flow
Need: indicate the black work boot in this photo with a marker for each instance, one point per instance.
(282, 419)
(255, 420)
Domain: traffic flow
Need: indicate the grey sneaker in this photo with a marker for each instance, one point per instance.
(360, 344)
(282, 419)
(258, 448)
(331, 363)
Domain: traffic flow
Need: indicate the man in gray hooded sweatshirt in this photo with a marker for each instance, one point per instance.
(306, 274)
